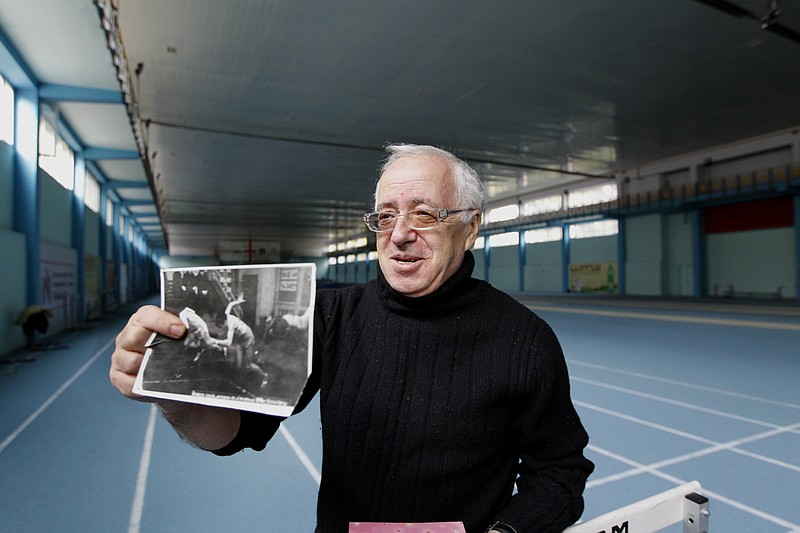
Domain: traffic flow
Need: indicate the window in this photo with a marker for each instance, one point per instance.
(91, 193)
(348, 245)
(551, 234)
(478, 243)
(55, 156)
(510, 238)
(592, 195)
(6, 111)
(598, 228)
(47, 138)
(109, 212)
(500, 214)
(548, 204)
(331, 260)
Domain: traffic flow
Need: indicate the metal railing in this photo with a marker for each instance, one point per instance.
(756, 183)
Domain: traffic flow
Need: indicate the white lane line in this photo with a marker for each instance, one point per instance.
(685, 384)
(298, 451)
(671, 318)
(715, 446)
(144, 468)
(714, 496)
(53, 397)
(670, 401)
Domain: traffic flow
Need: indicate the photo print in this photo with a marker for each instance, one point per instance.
(248, 342)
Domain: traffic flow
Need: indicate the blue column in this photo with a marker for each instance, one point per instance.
(78, 237)
(26, 186)
(522, 261)
(486, 255)
(128, 257)
(565, 245)
(133, 266)
(138, 271)
(699, 253)
(116, 254)
(622, 254)
(797, 247)
(102, 249)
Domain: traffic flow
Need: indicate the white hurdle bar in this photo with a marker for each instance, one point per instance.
(680, 504)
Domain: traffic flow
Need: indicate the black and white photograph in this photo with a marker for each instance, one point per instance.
(248, 337)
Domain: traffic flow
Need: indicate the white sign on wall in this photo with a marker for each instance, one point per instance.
(58, 275)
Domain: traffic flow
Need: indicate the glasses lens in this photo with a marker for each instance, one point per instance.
(422, 219)
(385, 221)
(380, 221)
(417, 219)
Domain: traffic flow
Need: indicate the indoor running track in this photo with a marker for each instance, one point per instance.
(669, 392)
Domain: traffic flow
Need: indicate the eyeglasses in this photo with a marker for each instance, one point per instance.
(417, 219)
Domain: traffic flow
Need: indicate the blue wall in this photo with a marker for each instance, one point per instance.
(759, 262)
(6, 185)
(55, 211)
(14, 264)
(644, 252)
(12, 290)
(504, 268)
(544, 267)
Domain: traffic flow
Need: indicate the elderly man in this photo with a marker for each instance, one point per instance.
(438, 393)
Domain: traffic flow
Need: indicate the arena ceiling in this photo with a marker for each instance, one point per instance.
(265, 120)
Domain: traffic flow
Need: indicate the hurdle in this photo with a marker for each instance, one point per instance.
(680, 504)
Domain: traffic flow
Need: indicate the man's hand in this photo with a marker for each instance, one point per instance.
(210, 428)
(129, 353)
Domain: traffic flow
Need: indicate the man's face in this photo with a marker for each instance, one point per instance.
(416, 263)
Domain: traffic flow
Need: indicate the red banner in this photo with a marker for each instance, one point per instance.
(748, 216)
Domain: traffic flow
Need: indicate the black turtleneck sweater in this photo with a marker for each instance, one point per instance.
(433, 407)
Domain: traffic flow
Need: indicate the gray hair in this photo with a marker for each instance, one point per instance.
(469, 188)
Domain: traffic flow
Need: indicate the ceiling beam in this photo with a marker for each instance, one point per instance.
(216, 131)
(72, 93)
(96, 153)
(767, 20)
(125, 184)
(525, 166)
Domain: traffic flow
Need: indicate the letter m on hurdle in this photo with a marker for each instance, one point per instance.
(621, 528)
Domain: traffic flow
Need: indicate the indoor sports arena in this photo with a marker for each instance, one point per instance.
(458, 266)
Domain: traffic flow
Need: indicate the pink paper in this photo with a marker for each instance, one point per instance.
(406, 527)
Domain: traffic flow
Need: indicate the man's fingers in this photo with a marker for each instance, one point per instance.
(153, 318)
(127, 357)
(127, 362)
(124, 367)
(143, 323)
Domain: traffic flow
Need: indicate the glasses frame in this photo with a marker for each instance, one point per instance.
(441, 214)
